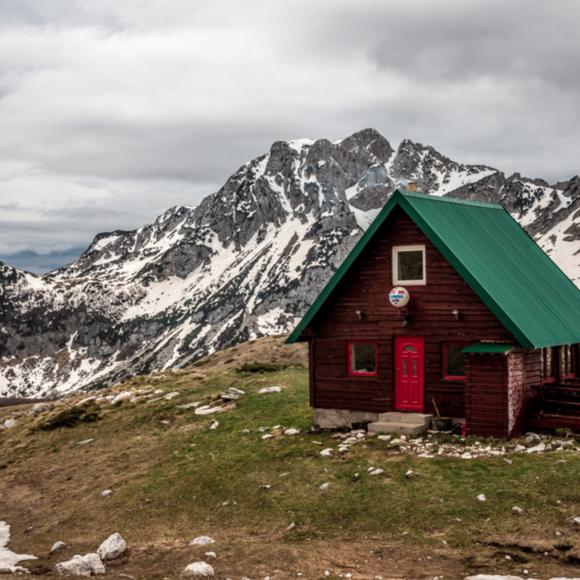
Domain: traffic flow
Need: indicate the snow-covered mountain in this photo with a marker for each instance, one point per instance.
(245, 263)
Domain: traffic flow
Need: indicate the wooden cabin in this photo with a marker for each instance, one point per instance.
(445, 307)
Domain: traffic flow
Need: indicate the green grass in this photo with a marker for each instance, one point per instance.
(182, 478)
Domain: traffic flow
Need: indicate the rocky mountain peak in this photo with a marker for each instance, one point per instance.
(246, 262)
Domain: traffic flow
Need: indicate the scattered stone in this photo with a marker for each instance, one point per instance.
(57, 546)
(385, 437)
(9, 423)
(199, 570)
(326, 452)
(39, 408)
(214, 425)
(517, 510)
(291, 431)
(209, 410)
(266, 390)
(191, 405)
(232, 394)
(519, 449)
(106, 492)
(539, 448)
(324, 486)
(87, 565)
(410, 474)
(171, 395)
(532, 439)
(268, 436)
(290, 527)
(210, 555)
(481, 497)
(122, 397)
(202, 541)
(113, 547)
(376, 471)
(85, 441)
(576, 521)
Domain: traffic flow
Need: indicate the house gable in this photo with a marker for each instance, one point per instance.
(524, 289)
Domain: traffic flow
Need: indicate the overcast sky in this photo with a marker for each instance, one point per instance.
(113, 110)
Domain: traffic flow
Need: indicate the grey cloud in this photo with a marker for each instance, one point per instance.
(113, 111)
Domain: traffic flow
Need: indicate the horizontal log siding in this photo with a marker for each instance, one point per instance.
(365, 288)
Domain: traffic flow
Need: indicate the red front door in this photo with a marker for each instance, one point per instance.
(409, 373)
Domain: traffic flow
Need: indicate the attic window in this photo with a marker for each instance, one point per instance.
(409, 265)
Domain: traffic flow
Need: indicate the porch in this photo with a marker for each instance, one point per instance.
(555, 406)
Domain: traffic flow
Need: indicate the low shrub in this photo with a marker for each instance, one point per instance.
(70, 417)
(260, 367)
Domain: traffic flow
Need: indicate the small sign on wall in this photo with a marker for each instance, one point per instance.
(399, 297)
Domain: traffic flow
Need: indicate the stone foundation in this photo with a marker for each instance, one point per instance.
(342, 418)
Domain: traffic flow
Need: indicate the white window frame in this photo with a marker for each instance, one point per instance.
(395, 263)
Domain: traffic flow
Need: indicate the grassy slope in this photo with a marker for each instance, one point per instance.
(174, 481)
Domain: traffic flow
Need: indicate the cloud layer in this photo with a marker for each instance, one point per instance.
(110, 111)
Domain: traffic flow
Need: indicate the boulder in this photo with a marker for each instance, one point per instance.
(113, 547)
(87, 565)
(199, 570)
(202, 541)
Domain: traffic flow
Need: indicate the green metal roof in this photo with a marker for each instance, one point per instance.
(488, 348)
(511, 274)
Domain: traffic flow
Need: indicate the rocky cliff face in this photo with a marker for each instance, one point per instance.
(244, 263)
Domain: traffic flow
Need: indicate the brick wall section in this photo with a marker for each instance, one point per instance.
(486, 407)
(517, 390)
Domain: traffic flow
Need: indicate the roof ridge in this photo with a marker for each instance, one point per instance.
(446, 199)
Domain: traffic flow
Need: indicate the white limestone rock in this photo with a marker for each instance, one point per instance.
(267, 390)
(113, 547)
(199, 570)
(291, 431)
(39, 408)
(87, 565)
(57, 546)
(202, 541)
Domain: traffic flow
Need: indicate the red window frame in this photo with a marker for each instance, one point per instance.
(349, 369)
(444, 375)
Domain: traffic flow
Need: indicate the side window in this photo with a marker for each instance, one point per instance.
(409, 265)
(452, 362)
(362, 358)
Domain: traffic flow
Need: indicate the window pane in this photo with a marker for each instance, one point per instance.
(454, 361)
(363, 358)
(410, 265)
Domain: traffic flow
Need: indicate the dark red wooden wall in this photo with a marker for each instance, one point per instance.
(365, 288)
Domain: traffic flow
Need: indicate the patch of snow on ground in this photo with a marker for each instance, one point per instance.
(9, 559)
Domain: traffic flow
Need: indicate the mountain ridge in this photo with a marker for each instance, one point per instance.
(244, 263)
